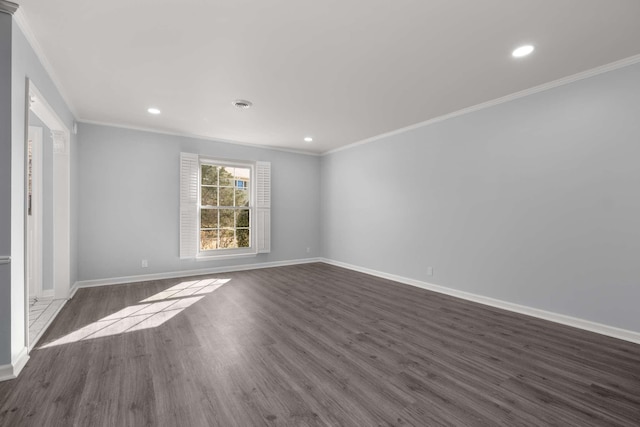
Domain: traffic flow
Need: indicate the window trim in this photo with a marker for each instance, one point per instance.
(188, 206)
(251, 251)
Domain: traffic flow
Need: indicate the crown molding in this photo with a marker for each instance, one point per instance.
(200, 137)
(511, 97)
(23, 24)
(8, 7)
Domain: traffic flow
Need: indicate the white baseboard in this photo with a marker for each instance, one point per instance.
(74, 288)
(184, 273)
(11, 371)
(21, 361)
(575, 322)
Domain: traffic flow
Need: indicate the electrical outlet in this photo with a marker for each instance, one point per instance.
(144, 263)
(308, 250)
(429, 271)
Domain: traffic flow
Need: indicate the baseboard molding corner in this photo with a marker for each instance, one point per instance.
(73, 290)
(21, 361)
(11, 371)
(185, 273)
(599, 328)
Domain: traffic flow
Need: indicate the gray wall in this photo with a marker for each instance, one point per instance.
(5, 187)
(535, 201)
(17, 54)
(47, 202)
(27, 65)
(129, 202)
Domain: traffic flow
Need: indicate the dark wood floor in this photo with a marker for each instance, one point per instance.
(314, 345)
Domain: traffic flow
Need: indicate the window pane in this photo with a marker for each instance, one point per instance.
(209, 218)
(226, 177)
(226, 196)
(242, 173)
(226, 218)
(242, 198)
(242, 236)
(225, 214)
(242, 218)
(209, 196)
(227, 239)
(208, 240)
(209, 175)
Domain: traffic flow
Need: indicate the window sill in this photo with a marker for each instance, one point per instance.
(225, 256)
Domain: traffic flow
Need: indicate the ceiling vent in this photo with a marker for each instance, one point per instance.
(242, 104)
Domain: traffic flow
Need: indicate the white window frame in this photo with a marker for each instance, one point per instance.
(231, 252)
(190, 198)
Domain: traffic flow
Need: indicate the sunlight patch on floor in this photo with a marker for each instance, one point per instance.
(149, 313)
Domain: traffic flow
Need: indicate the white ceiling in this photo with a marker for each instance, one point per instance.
(340, 71)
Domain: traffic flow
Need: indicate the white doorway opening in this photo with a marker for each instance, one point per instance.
(59, 215)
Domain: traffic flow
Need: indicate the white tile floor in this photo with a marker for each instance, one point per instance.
(41, 314)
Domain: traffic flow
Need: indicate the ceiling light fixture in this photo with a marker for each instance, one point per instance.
(242, 104)
(522, 51)
(308, 139)
(153, 110)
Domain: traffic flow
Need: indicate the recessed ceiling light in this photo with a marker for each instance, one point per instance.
(242, 104)
(153, 110)
(308, 139)
(522, 51)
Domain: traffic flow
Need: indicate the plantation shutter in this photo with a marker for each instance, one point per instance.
(263, 206)
(188, 205)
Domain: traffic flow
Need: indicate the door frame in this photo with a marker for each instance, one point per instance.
(61, 135)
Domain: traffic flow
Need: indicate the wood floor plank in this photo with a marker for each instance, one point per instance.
(314, 345)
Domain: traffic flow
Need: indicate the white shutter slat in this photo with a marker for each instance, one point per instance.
(263, 172)
(263, 205)
(188, 205)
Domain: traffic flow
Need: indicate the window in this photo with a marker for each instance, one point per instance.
(225, 207)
